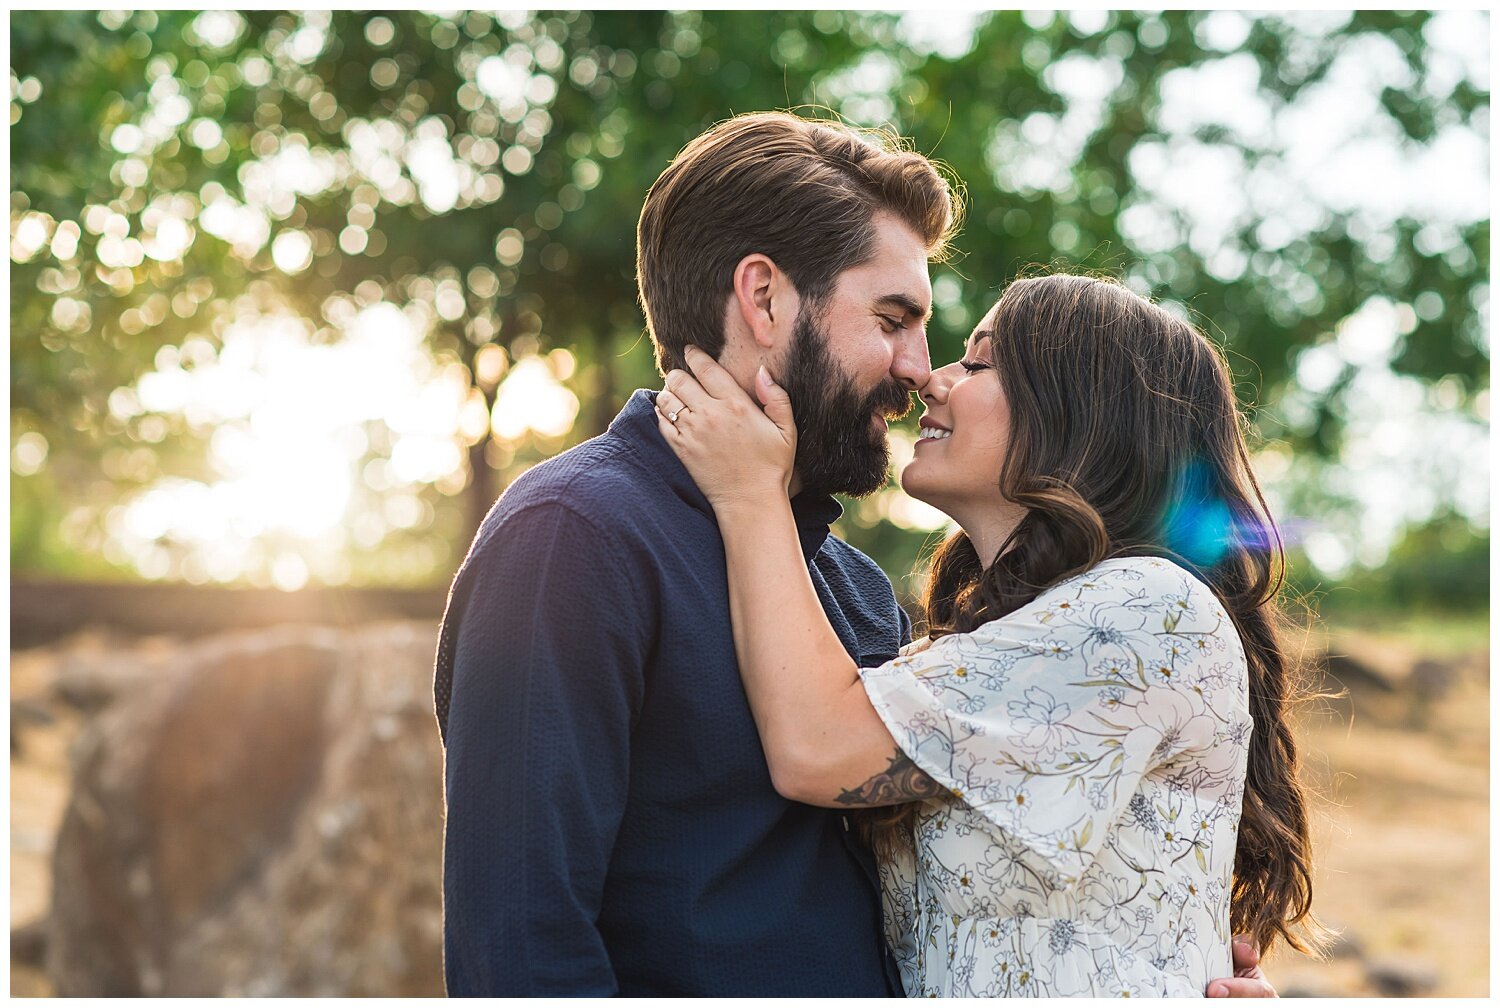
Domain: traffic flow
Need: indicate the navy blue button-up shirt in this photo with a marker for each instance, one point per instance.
(611, 824)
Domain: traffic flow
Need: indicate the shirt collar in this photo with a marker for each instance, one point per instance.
(636, 424)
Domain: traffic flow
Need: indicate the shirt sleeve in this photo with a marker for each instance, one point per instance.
(548, 669)
(1046, 720)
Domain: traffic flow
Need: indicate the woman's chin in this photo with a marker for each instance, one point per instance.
(915, 486)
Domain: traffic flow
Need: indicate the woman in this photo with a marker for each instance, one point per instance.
(1098, 713)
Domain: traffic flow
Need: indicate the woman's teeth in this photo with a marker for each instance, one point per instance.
(933, 434)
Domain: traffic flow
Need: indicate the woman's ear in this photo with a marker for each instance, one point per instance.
(764, 298)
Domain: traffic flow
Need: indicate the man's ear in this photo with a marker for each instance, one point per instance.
(764, 298)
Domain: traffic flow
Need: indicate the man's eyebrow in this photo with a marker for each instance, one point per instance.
(907, 304)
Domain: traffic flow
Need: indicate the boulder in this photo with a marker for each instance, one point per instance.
(28, 943)
(1401, 977)
(95, 668)
(262, 816)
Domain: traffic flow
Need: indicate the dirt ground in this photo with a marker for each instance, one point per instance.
(1401, 827)
(1403, 824)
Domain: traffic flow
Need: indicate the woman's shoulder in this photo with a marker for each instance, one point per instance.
(1140, 577)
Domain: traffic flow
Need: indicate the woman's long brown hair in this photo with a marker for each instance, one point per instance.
(1126, 440)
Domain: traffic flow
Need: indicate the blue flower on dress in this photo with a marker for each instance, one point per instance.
(1105, 635)
(1145, 816)
(1062, 936)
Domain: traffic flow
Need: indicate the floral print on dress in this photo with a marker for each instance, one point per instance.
(1095, 743)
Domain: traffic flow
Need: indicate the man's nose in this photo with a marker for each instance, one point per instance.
(912, 365)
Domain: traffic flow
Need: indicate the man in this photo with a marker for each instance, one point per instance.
(612, 827)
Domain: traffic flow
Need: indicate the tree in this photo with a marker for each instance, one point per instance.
(175, 170)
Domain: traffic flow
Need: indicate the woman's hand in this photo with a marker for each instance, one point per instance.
(737, 452)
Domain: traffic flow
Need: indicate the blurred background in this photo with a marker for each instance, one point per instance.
(295, 296)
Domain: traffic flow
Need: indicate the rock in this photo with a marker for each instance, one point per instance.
(96, 670)
(28, 943)
(262, 816)
(1304, 989)
(1432, 680)
(31, 712)
(1356, 675)
(1346, 944)
(1394, 977)
(1428, 683)
(27, 713)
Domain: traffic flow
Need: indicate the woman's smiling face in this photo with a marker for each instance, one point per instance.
(965, 433)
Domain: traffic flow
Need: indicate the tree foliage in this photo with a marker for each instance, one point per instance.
(489, 168)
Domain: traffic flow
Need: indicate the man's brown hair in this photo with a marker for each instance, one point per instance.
(801, 191)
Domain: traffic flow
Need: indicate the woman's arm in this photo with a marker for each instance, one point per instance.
(824, 743)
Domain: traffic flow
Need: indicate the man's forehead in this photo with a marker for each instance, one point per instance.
(898, 272)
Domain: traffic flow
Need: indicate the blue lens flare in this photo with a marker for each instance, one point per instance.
(1199, 525)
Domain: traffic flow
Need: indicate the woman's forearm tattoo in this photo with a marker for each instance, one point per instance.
(902, 781)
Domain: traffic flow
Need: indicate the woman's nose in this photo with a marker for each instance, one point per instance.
(938, 382)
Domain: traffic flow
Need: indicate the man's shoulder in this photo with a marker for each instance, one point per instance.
(589, 482)
(841, 552)
(854, 564)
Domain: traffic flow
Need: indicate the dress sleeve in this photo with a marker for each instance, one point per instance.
(1045, 721)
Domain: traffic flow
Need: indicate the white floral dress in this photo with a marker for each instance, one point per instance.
(1095, 742)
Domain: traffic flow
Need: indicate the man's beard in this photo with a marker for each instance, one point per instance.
(838, 449)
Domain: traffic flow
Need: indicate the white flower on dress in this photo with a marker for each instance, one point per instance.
(1114, 667)
(1044, 720)
(1105, 899)
(1003, 866)
(973, 704)
(1163, 672)
(1053, 647)
(922, 724)
(1174, 649)
(1180, 605)
(1017, 799)
(966, 881)
(992, 934)
(1175, 719)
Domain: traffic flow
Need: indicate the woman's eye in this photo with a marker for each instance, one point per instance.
(972, 366)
